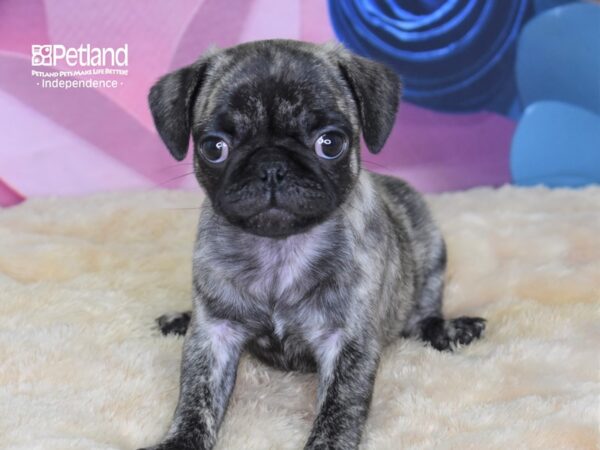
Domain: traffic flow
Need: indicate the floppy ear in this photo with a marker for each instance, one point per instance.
(171, 100)
(376, 90)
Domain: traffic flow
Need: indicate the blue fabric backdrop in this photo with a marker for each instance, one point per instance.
(454, 55)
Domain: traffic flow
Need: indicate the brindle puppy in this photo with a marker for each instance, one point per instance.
(302, 258)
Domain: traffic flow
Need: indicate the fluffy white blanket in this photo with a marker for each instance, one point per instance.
(81, 366)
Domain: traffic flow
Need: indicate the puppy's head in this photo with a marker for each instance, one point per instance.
(276, 128)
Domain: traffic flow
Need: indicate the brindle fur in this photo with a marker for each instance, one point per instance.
(360, 264)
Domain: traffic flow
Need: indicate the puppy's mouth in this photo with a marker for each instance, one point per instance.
(271, 215)
(274, 221)
(270, 218)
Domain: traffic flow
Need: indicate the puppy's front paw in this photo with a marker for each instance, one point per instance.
(158, 447)
(177, 444)
(174, 323)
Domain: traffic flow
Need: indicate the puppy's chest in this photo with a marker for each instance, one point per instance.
(281, 271)
(270, 285)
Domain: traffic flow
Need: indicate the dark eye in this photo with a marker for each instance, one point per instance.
(214, 149)
(331, 145)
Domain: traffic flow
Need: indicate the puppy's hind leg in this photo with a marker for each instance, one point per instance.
(427, 322)
(446, 334)
(174, 323)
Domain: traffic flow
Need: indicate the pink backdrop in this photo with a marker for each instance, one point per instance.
(69, 142)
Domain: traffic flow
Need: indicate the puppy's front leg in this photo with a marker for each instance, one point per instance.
(211, 354)
(347, 367)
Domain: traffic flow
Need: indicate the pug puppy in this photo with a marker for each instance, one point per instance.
(302, 258)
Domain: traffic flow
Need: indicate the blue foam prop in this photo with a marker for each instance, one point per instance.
(556, 144)
(453, 55)
(558, 56)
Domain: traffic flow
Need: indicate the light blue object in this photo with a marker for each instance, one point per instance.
(556, 144)
(558, 56)
(542, 5)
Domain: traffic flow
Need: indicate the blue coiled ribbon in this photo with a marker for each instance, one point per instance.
(454, 55)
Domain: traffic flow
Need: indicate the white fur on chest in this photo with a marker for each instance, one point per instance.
(283, 264)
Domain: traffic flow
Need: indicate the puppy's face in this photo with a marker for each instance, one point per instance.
(276, 128)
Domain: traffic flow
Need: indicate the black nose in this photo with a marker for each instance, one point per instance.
(272, 172)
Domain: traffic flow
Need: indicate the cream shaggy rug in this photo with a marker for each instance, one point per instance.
(81, 366)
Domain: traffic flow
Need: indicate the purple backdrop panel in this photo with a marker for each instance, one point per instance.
(8, 195)
(62, 142)
(21, 23)
(88, 114)
(439, 152)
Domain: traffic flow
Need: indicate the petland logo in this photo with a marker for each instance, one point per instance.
(84, 55)
(62, 67)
